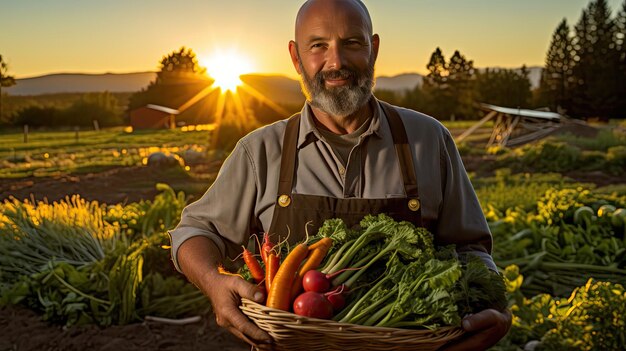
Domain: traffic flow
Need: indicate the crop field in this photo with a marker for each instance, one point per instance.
(83, 267)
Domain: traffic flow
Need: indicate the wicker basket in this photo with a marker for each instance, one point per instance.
(292, 332)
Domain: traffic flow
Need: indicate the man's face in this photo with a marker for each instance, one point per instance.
(335, 55)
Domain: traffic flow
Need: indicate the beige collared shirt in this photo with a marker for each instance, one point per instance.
(242, 198)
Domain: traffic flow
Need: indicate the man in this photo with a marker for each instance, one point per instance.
(345, 155)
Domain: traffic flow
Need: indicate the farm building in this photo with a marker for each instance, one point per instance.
(153, 117)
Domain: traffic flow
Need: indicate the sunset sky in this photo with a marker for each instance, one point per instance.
(94, 36)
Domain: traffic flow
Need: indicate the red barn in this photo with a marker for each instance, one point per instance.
(153, 117)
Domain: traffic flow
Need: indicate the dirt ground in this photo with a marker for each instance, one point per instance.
(116, 185)
(24, 330)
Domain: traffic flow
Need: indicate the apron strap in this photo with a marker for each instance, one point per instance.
(288, 157)
(400, 140)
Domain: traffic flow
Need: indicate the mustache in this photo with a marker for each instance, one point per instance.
(343, 73)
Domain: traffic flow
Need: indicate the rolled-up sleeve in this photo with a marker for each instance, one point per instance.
(462, 221)
(225, 213)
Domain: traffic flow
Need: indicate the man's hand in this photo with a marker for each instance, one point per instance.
(199, 258)
(225, 293)
(482, 330)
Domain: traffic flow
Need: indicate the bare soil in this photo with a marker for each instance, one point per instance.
(112, 186)
(22, 329)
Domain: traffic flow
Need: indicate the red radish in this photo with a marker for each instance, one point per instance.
(319, 282)
(315, 281)
(336, 297)
(313, 304)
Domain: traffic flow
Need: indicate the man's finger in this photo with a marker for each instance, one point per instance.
(486, 319)
(249, 291)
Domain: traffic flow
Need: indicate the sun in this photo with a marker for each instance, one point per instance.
(226, 68)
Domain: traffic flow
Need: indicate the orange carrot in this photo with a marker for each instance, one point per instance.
(279, 295)
(273, 262)
(266, 247)
(315, 257)
(223, 270)
(253, 265)
(322, 242)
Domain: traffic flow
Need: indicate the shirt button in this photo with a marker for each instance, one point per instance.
(342, 170)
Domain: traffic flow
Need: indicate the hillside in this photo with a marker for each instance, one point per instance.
(81, 83)
(279, 88)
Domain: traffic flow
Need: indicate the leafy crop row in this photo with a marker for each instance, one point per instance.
(83, 262)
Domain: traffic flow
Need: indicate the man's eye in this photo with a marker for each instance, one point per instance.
(353, 43)
(317, 45)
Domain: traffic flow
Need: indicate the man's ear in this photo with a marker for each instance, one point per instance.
(375, 45)
(293, 52)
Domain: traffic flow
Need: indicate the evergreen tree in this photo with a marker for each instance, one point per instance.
(436, 87)
(619, 38)
(594, 91)
(460, 81)
(556, 77)
(415, 99)
(504, 87)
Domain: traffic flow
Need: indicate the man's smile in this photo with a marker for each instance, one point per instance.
(336, 82)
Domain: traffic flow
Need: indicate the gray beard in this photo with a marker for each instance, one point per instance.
(338, 101)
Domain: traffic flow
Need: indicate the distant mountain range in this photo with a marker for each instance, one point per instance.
(279, 88)
(81, 83)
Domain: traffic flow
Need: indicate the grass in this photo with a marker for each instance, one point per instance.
(52, 152)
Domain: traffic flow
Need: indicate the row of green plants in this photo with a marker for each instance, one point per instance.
(605, 152)
(570, 235)
(80, 262)
(590, 318)
(562, 248)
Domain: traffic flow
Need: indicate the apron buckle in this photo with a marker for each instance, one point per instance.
(414, 204)
(284, 200)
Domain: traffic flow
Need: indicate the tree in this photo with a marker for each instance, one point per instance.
(100, 107)
(39, 116)
(436, 87)
(5, 80)
(619, 38)
(179, 78)
(556, 77)
(461, 85)
(181, 64)
(504, 87)
(595, 86)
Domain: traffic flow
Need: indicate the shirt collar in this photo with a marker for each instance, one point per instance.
(309, 130)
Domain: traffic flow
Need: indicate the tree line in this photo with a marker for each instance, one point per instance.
(584, 75)
(585, 69)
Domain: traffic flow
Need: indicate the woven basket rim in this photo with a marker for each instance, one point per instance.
(247, 304)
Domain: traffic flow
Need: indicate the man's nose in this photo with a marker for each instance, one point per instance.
(335, 58)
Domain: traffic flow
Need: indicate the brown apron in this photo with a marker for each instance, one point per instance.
(294, 212)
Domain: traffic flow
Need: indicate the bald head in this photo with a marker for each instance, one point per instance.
(320, 7)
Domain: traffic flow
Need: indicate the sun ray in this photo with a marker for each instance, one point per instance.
(199, 96)
(219, 113)
(243, 116)
(271, 104)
